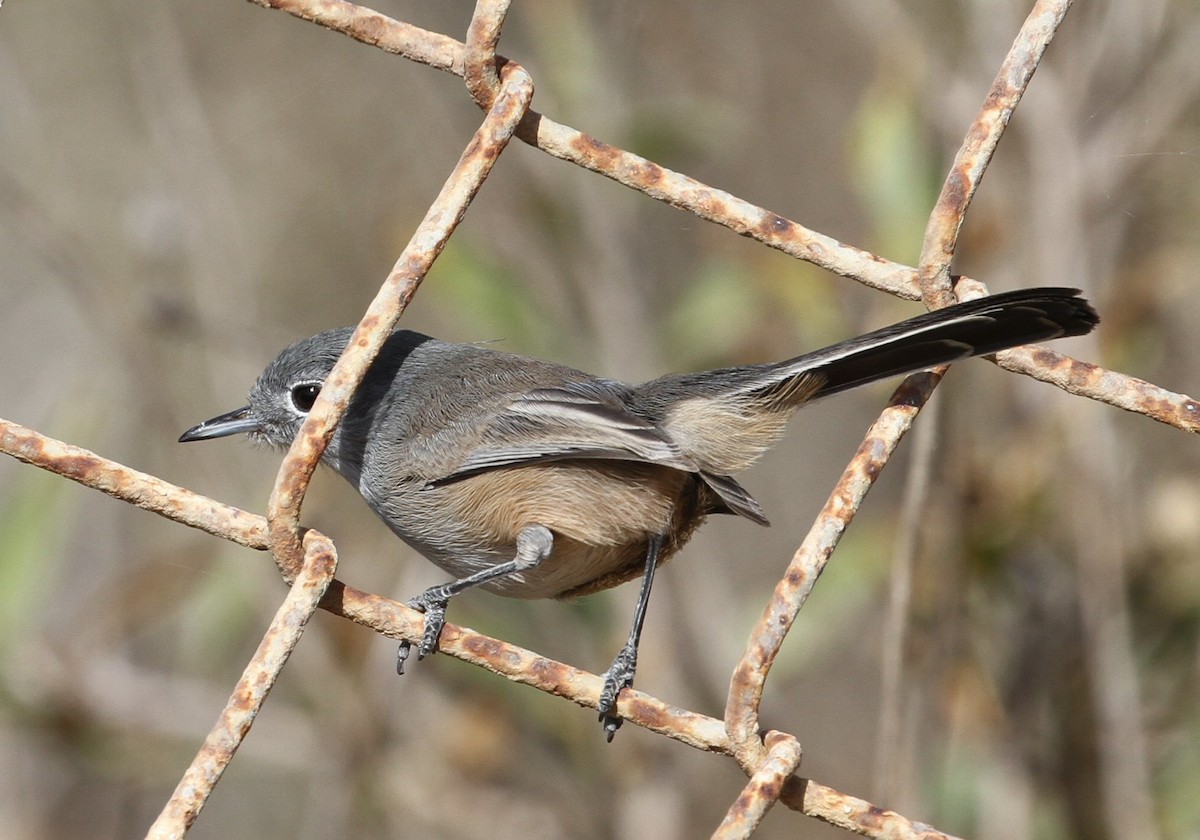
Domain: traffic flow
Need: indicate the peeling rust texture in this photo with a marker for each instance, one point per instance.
(749, 677)
(1103, 385)
(390, 617)
(519, 665)
(764, 788)
(853, 814)
(388, 34)
(251, 691)
(373, 611)
(633, 171)
(979, 144)
(720, 207)
(385, 310)
(137, 488)
(479, 61)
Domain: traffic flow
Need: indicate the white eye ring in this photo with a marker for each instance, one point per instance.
(303, 395)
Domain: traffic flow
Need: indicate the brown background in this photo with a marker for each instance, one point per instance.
(187, 187)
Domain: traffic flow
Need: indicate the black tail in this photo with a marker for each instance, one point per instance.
(974, 328)
(724, 419)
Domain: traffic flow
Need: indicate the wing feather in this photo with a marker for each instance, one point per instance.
(554, 424)
(586, 420)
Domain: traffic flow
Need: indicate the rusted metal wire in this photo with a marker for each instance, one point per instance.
(720, 207)
(1092, 381)
(479, 62)
(854, 814)
(206, 769)
(566, 143)
(370, 27)
(430, 237)
(764, 789)
(750, 674)
(383, 615)
(136, 488)
(505, 90)
(393, 619)
(933, 274)
(973, 157)
(941, 238)
(519, 665)
(1116, 389)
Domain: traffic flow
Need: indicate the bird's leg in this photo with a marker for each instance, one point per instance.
(620, 674)
(533, 546)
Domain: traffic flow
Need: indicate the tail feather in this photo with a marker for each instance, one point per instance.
(725, 419)
(975, 328)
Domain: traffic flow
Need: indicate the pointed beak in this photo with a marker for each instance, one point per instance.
(235, 422)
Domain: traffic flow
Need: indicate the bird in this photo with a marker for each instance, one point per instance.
(531, 479)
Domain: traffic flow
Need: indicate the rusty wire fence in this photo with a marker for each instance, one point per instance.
(1126, 766)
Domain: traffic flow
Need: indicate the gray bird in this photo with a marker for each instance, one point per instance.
(534, 480)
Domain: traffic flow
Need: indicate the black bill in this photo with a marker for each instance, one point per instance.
(233, 423)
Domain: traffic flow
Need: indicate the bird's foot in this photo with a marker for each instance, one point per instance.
(432, 602)
(618, 676)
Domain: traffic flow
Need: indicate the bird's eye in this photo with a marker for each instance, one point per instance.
(304, 395)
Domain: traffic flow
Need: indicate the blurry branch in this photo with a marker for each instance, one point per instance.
(896, 619)
(937, 290)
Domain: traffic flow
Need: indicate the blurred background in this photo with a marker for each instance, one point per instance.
(187, 187)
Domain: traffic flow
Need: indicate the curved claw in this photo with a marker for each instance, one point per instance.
(433, 604)
(618, 676)
(435, 619)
